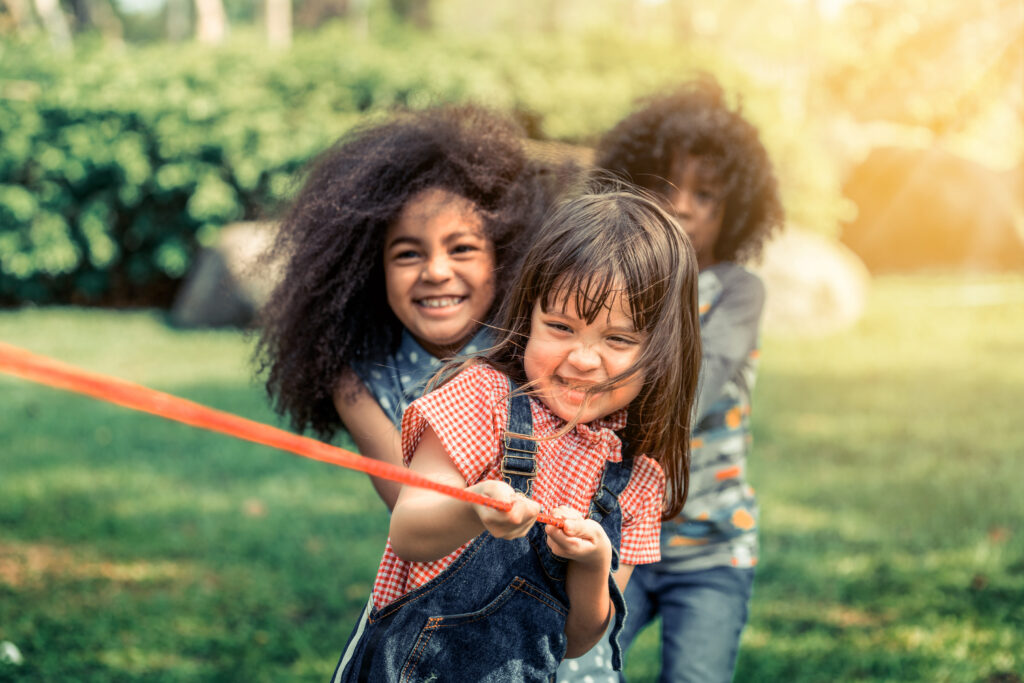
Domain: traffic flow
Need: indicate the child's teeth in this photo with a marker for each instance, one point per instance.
(439, 303)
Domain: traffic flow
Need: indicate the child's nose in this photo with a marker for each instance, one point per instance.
(584, 357)
(437, 269)
(682, 204)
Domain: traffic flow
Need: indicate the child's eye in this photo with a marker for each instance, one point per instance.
(559, 327)
(406, 255)
(622, 341)
(465, 249)
(706, 196)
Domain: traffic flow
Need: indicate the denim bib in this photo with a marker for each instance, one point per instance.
(497, 613)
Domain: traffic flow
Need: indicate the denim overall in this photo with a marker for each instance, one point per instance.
(498, 612)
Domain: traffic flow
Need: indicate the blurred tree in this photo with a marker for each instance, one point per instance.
(211, 22)
(16, 16)
(97, 15)
(243, 11)
(929, 64)
(178, 20)
(313, 13)
(415, 12)
(55, 22)
(278, 18)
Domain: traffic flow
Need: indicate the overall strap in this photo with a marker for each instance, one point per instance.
(614, 479)
(604, 509)
(519, 461)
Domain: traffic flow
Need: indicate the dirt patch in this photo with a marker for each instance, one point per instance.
(30, 564)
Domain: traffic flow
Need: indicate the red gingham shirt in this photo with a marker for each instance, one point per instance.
(469, 415)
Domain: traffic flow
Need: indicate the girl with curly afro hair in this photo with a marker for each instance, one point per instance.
(694, 123)
(707, 163)
(396, 251)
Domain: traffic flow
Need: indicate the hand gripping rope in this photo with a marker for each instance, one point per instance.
(36, 368)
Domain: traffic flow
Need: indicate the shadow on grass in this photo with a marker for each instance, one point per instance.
(136, 547)
(890, 525)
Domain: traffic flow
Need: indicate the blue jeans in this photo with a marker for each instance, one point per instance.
(702, 615)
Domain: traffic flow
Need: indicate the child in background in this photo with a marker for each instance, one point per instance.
(708, 164)
(397, 247)
(599, 335)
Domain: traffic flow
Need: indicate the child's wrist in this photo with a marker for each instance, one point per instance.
(598, 561)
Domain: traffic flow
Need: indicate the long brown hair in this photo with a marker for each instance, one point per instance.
(589, 250)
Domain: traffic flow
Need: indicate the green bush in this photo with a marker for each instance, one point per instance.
(117, 165)
(114, 169)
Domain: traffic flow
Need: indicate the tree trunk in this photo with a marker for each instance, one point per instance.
(80, 10)
(360, 17)
(56, 23)
(177, 20)
(313, 13)
(21, 14)
(278, 15)
(211, 22)
(415, 12)
(99, 15)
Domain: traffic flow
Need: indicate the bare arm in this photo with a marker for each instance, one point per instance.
(589, 551)
(375, 435)
(427, 525)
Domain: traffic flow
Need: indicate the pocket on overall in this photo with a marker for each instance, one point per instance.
(523, 619)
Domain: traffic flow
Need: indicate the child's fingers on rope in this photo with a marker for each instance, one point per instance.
(567, 512)
(512, 523)
(578, 538)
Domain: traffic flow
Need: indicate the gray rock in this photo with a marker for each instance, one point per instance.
(228, 284)
(815, 286)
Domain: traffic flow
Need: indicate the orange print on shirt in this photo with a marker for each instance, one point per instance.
(741, 519)
(683, 540)
(728, 473)
(733, 417)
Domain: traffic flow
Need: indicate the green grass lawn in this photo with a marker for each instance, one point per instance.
(888, 459)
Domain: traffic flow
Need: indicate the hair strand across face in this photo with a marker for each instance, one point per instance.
(591, 249)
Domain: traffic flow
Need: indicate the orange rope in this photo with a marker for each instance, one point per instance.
(21, 363)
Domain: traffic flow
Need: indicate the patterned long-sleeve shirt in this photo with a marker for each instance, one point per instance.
(718, 525)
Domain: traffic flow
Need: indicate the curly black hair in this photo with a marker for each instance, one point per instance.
(330, 307)
(695, 119)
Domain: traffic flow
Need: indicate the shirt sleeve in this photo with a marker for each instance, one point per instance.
(641, 504)
(728, 335)
(466, 414)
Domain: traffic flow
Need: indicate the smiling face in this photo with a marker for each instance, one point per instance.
(439, 270)
(565, 355)
(697, 204)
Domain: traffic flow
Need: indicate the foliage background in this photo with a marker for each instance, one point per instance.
(119, 160)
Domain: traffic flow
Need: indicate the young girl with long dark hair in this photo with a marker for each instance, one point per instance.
(579, 410)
